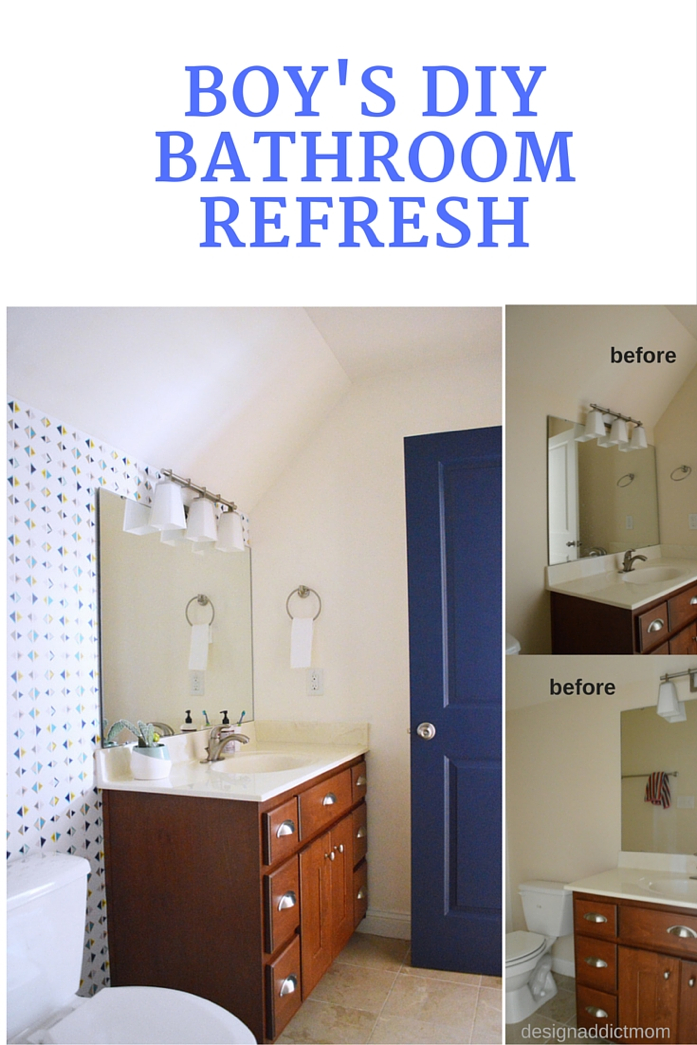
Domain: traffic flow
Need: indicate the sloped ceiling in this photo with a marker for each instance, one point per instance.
(227, 396)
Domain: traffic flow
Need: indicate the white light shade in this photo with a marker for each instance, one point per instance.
(202, 524)
(230, 535)
(594, 427)
(136, 518)
(669, 707)
(172, 537)
(618, 433)
(638, 440)
(168, 507)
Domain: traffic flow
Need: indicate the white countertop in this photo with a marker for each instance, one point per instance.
(650, 884)
(320, 746)
(611, 587)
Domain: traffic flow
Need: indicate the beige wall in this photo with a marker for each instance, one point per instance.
(558, 361)
(563, 767)
(336, 521)
(676, 444)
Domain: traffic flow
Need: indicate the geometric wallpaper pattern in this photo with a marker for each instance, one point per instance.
(53, 692)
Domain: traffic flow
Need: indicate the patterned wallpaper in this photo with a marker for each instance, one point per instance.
(53, 696)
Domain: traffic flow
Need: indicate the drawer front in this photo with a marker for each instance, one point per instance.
(661, 650)
(671, 931)
(596, 1010)
(685, 641)
(324, 803)
(596, 963)
(281, 904)
(653, 626)
(360, 892)
(283, 989)
(360, 832)
(359, 781)
(687, 1025)
(280, 831)
(595, 918)
(682, 608)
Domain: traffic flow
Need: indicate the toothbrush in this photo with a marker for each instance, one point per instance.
(239, 721)
(206, 718)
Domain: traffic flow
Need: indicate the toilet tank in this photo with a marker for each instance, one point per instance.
(548, 908)
(46, 894)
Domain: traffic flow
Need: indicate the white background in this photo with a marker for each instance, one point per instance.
(89, 84)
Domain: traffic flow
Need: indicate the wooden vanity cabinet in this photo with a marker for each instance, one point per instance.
(242, 903)
(664, 626)
(634, 969)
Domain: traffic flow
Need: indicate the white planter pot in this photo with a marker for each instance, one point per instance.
(150, 763)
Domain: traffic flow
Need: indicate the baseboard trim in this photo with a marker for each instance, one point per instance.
(564, 966)
(386, 923)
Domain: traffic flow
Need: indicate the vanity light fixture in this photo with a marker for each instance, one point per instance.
(136, 518)
(600, 418)
(202, 524)
(167, 512)
(230, 533)
(669, 706)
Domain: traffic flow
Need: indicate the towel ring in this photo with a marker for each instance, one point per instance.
(303, 591)
(202, 600)
(630, 476)
(681, 468)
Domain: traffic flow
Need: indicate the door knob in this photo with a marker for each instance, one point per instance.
(426, 730)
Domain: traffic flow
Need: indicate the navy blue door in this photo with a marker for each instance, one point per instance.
(454, 537)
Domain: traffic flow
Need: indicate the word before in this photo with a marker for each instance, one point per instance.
(580, 687)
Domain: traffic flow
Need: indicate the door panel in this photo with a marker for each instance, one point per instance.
(453, 491)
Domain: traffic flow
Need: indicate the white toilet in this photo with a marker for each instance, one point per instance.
(46, 895)
(529, 984)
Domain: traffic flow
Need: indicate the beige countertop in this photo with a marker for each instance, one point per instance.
(315, 748)
(675, 888)
(614, 589)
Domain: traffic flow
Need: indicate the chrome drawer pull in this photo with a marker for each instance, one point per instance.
(289, 899)
(362, 782)
(361, 894)
(656, 624)
(666, 975)
(330, 856)
(339, 848)
(286, 828)
(329, 800)
(691, 981)
(598, 1013)
(593, 917)
(683, 931)
(693, 601)
(289, 986)
(361, 832)
(597, 963)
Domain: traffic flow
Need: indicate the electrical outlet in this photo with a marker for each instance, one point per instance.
(630, 522)
(686, 801)
(197, 684)
(692, 519)
(315, 682)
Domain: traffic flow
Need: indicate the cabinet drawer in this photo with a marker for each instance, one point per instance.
(324, 803)
(281, 904)
(682, 608)
(595, 918)
(359, 782)
(653, 626)
(360, 832)
(685, 641)
(688, 1001)
(283, 989)
(280, 831)
(596, 1009)
(360, 892)
(672, 931)
(596, 963)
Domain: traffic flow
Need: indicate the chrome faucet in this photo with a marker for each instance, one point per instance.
(629, 560)
(218, 738)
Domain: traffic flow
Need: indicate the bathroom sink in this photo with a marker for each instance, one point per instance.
(260, 762)
(652, 574)
(674, 887)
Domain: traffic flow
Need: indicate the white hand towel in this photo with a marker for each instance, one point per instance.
(200, 637)
(301, 642)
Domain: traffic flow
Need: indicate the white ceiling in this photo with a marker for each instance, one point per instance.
(225, 395)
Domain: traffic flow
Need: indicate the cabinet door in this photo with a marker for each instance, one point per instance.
(342, 884)
(687, 1025)
(649, 988)
(685, 641)
(315, 911)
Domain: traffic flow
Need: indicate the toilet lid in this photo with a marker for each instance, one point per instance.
(148, 1016)
(520, 946)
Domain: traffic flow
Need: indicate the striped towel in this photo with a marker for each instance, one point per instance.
(658, 790)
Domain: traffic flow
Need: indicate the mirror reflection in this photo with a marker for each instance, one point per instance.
(146, 639)
(650, 745)
(599, 499)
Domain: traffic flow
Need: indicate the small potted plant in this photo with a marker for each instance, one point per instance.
(149, 759)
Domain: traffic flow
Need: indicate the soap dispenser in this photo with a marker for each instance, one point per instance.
(187, 725)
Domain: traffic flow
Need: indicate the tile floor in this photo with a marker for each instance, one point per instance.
(556, 1019)
(372, 996)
